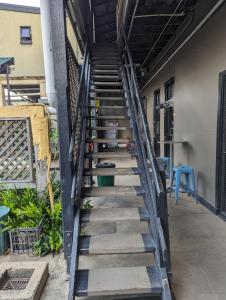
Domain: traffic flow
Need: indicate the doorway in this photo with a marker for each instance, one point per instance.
(221, 148)
(156, 122)
(169, 115)
(168, 128)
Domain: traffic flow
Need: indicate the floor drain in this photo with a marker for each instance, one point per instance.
(15, 284)
(15, 280)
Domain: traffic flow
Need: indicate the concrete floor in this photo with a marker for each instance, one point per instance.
(198, 250)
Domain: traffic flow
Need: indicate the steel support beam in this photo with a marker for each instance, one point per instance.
(58, 19)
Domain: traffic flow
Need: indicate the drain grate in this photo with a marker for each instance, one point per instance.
(16, 284)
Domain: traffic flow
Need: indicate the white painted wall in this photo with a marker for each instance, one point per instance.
(196, 69)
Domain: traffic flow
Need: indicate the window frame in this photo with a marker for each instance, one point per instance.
(23, 40)
(169, 83)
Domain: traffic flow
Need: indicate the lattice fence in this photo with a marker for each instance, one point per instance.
(15, 151)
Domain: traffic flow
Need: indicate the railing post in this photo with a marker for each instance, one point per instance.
(58, 29)
(162, 210)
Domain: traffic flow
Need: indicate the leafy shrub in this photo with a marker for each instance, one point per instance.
(27, 210)
(54, 144)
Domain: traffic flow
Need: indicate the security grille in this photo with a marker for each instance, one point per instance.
(73, 89)
(15, 284)
(15, 151)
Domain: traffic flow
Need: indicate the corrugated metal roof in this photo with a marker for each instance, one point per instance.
(20, 8)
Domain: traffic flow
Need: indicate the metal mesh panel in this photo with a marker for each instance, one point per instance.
(15, 151)
(73, 88)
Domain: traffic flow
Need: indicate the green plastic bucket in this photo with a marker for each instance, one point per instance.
(105, 180)
(4, 236)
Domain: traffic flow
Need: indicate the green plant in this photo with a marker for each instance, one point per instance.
(54, 144)
(27, 210)
(52, 237)
(87, 205)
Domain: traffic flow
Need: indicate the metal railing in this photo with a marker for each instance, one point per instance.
(76, 155)
(155, 194)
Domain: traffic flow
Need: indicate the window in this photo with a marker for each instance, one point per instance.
(169, 89)
(25, 35)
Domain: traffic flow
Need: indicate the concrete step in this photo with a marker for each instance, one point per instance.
(114, 214)
(105, 128)
(115, 261)
(108, 141)
(96, 66)
(104, 83)
(111, 171)
(128, 227)
(106, 98)
(119, 282)
(109, 155)
(109, 107)
(106, 77)
(116, 244)
(113, 191)
(113, 90)
(114, 202)
(109, 117)
(103, 72)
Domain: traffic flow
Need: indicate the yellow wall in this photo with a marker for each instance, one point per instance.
(73, 41)
(28, 58)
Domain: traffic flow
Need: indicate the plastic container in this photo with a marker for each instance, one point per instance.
(4, 236)
(105, 180)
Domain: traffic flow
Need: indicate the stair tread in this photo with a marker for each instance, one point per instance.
(109, 71)
(118, 281)
(109, 106)
(113, 191)
(109, 141)
(106, 77)
(114, 214)
(95, 90)
(115, 202)
(115, 261)
(109, 98)
(116, 83)
(116, 243)
(110, 155)
(109, 117)
(128, 227)
(109, 128)
(111, 171)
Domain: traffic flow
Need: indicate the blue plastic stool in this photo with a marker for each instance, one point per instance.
(165, 161)
(188, 171)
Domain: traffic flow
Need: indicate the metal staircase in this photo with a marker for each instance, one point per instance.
(120, 241)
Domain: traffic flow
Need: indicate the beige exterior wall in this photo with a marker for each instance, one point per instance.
(196, 69)
(28, 58)
(29, 63)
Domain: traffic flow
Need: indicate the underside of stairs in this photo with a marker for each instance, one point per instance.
(117, 249)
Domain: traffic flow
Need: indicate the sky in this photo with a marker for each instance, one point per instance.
(22, 2)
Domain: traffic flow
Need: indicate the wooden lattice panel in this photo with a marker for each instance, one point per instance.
(15, 151)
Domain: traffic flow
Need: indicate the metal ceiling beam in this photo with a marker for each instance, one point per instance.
(161, 34)
(132, 20)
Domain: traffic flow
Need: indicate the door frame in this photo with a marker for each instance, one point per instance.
(221, 128)
(156, 144)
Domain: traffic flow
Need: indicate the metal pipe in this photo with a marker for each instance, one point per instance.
(204, 20)
(167, 23)
(48, 52)
(8, 86)
(161, 15)
(132, 20)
